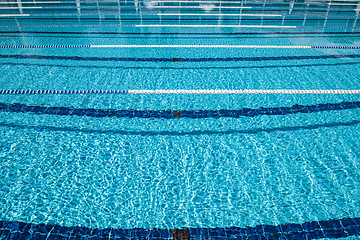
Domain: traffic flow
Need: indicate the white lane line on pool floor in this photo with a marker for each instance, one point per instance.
(180, 91)
(14, 15)
(152, 25)
(1, 8)
(195, 46)
(213, 26)
(201, 7)
(28, 2)
(219, 14)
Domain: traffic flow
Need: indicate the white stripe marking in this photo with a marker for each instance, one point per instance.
(216, 26)
(161, 25)
(29, 2)
(19, 7)
(313, 3)
(212, 7)
(195, 46)
(246, 91)
(218, 14)
(212, 2)
(343, 4)
(14, 15)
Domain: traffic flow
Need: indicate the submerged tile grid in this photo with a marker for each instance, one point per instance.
(333, 228)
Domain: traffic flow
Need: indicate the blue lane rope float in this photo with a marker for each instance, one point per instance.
(182, 46)
(333, 228)
(181, 91)
(171, 114)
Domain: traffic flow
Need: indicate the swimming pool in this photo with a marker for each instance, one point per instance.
(225, 119)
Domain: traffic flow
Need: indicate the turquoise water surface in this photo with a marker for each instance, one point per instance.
(113, 172)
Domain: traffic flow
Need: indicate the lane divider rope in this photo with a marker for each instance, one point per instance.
(183, 33)
(225, 8)
(149, 14)
(132, 7)
(180, 91)
(329, 17)
(181, 46)
(197, 1)
(152, 25)
(176, 25)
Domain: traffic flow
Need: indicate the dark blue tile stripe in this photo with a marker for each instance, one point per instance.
(169, 114)
(132, 59)
(333, 228)
(21, 230)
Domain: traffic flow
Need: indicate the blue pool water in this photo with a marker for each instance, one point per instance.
(62, 162)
